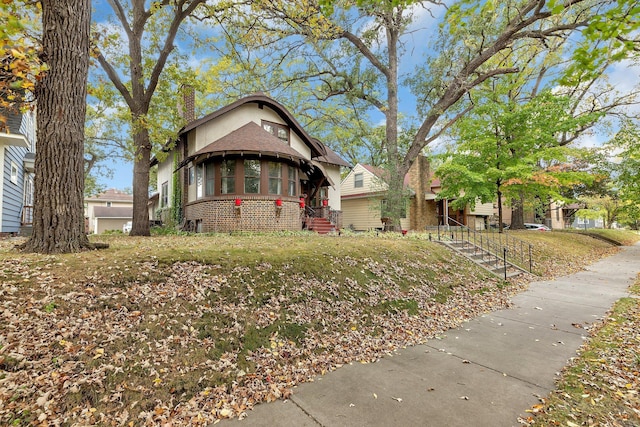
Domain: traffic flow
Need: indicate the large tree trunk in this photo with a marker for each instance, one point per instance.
(58, 223)
(517, 214)
(395, 193)
(140, 224)
(500, 215)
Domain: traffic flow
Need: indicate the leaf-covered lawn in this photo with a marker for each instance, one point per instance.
(192, 329)
(559, 253)
(601, 386)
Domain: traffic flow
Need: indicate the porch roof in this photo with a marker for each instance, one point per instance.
(332, 158)
(250, 138)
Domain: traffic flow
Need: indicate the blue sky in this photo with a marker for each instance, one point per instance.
(122, 177)
(624, 76)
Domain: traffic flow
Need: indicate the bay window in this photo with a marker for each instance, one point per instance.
(275, 178)
(209, 179)
(228, 175)
(252, 176)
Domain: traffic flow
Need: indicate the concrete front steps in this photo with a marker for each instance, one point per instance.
(321, 225)
(490, 262)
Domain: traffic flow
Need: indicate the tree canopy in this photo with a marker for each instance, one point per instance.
(355, 50)
(20, 63)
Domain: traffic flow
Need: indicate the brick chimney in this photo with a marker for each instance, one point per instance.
(187, 103)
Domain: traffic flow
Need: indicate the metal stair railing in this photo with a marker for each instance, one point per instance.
(501, 246)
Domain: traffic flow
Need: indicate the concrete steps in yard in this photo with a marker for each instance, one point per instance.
(484, 259)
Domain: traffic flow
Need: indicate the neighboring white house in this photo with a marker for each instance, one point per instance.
(108, 211)
(17, 155)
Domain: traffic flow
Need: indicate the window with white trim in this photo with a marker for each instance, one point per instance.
(192, 175)
(275, 178)
(358, 180)
(199, 181)
(14, 173)
(164, 195)
(277, 130)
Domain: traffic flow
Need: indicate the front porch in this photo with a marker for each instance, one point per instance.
(322, 220)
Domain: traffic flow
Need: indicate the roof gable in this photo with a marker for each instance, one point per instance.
(249, 138)
(317, 148)
(112, 195)
(378, 174)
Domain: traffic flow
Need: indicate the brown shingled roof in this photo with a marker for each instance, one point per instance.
(332, 158)
(249, 138)
(112, 195)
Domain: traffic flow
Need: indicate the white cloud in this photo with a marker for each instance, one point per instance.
(625, 76)
(590, 141)
(426, 16)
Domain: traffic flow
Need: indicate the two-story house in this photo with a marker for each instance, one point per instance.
(247, 166)
(363, 193)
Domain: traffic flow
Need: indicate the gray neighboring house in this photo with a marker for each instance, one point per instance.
(17, 156)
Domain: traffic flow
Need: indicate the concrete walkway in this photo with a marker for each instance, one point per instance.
(486, 373)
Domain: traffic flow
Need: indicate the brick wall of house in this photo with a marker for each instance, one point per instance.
(422, 212)
(255, 214)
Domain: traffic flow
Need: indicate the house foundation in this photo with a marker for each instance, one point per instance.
(246, 214)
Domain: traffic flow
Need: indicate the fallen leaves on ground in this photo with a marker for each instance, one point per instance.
(97, 339)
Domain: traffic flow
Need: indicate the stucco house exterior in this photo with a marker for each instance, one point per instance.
(17, 157)
(108, 211)
(248, 166)
(363, 191)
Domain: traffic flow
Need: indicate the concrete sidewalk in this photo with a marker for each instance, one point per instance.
(486, 373)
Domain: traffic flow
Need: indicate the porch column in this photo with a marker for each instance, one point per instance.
(445, 214)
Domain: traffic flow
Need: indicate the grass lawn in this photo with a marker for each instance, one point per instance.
(560, 253)
(190, 329)
(600, 387)
(624, 237)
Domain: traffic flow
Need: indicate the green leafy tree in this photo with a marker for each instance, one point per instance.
(608, 208)
(611, 36)
(509, 150)
(145, 77)
(20, 63)
(627, 168)
(353, 49)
